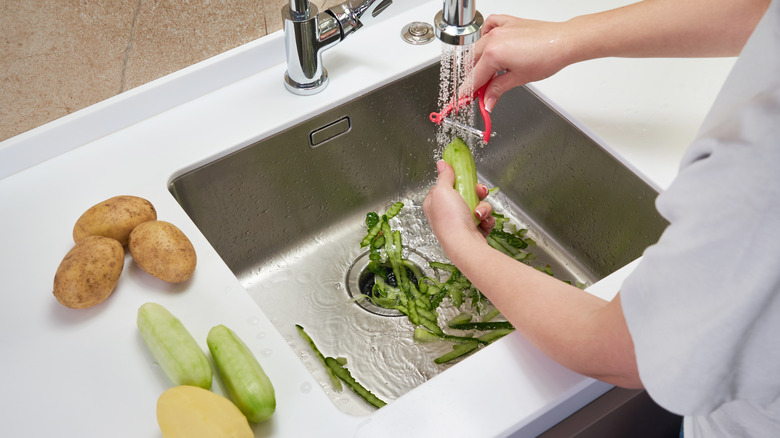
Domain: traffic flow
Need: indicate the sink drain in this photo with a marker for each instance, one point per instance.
(360, 281)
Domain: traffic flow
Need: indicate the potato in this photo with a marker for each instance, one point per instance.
(161, 249)
(192, 412)
(89, 272)
(114, 218)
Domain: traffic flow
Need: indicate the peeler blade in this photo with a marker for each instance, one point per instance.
(461, 127)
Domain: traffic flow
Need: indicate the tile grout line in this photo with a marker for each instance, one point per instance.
(129, 46)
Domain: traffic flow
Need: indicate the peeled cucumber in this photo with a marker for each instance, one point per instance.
(246, 382)
(458, 155)
(175, 350)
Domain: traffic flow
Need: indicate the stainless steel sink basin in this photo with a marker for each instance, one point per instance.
(287, 214)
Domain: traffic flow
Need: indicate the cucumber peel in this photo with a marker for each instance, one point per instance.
(337, 370)
(458, 155)
(353, 384)
(334, 380)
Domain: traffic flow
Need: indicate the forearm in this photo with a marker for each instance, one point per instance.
(576, 329)
(666, 28)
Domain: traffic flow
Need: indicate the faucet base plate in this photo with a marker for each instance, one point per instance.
(306, 89)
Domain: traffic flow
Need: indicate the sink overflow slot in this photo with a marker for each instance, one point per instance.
(330, 131)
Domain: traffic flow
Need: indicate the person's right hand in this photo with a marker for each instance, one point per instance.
(528, 50)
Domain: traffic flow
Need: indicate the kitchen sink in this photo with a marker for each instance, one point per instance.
(287, 215)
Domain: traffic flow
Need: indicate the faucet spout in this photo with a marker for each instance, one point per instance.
(308, 33)
(458, 23)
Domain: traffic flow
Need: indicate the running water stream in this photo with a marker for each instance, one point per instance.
(455, 80)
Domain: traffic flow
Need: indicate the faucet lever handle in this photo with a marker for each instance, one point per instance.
(354, 14)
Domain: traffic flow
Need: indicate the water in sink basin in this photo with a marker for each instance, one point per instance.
(310, 285)
(287, 217)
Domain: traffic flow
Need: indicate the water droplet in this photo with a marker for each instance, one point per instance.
(253, 320)
(305, 387)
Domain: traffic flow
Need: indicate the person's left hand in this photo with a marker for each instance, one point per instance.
(449, 215)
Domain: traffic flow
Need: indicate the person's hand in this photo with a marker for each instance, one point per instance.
(449, 215)
(527, 50)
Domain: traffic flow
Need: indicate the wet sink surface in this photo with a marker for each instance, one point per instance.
(287, 215)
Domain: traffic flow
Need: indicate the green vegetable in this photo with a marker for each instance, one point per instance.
(424, 336)
(371, 219)
(334, 381)
(173, 347)
(337, 371)
(462, 318)
(458, 350)
(495, 334)
(492, 325)
(487, 317)
(400, 285)
(244, 378)
(458, 155)
(353, 384)
(375, 225)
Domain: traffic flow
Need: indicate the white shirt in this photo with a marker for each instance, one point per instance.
(703, 305)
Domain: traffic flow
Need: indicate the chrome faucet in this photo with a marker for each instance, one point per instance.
(458, 23)
(307, 33)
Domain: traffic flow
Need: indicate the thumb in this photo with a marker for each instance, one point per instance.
(446, 174)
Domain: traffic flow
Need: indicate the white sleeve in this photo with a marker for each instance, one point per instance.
(703, 305)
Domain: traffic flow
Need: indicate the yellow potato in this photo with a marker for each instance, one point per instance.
(114, 218)
(89, 272)
(162, 250)
(192, 412)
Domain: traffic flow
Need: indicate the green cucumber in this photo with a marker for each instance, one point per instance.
(173, 347)
(247, 384)
(458, 155)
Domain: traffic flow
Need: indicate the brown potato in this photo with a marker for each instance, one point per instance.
(89, 272)
(192, 412)
(162, 250)
(114, 218)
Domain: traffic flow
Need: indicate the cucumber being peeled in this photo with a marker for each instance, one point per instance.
(458, 155)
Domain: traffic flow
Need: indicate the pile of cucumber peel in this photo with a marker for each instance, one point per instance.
(399, 284)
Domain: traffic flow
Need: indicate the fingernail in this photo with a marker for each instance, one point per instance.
(490, 102)
(479, 214)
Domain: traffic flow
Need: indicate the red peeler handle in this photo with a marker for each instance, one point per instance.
(463, 101)
(485, 114)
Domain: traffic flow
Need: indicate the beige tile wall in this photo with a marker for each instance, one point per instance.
(58, 56)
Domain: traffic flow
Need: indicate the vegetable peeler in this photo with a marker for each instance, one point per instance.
(441, 117)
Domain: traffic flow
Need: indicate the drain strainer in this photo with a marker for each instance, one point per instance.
(360, 281)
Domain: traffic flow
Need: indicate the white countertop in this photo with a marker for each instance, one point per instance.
(87, 373)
